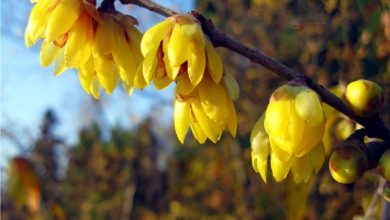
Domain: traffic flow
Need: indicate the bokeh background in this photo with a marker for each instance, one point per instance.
(118, 157)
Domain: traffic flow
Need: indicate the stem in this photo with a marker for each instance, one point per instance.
(374, 125)
(166, 12)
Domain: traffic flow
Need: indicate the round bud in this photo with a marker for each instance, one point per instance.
(364, 97)
(384, 165)
(347, 163)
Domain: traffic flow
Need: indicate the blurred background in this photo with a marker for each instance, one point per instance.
(67, 156)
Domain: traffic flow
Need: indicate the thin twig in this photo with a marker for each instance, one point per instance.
(374, 125)
(151, 6)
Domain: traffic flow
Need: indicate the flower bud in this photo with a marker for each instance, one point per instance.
(288, 136)
(347, 163)
(337, 129)
(364, 97)
(384, 165)
(294, 121)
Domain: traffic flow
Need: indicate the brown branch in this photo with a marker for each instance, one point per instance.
(151, 6)
(374, 125)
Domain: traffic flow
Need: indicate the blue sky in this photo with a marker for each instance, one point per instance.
(27, 90)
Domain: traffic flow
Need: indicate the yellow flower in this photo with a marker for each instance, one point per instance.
(294, 121)
(176, 46)
(207, 108)
(72, 48)
(115, 55)
(51, 19)
(103, 47)
(289, 134)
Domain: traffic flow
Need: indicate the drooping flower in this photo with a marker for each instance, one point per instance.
(51, 19)
(294, 120)
(103, 46)
(176, 46)
(115, 55)
(207, 108)
(289, 135)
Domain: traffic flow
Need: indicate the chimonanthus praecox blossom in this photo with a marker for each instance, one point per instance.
(103, 46)
(178, 46)
(207, 108)
(290, 133)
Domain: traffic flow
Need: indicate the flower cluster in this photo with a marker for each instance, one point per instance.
(106, 48)
(177, 50)
(290, 134)
(102, 46)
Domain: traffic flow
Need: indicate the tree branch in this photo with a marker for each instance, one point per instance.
(151, 6)
(374, 124)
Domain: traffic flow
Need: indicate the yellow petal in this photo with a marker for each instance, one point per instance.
(260, 148)
(214, 62)
(85, 82)
(108, 83)
(62, 18)
(123, 57)
(182, 119)
(139, 81)
(88, 67)
(107, 74)
(48, 53)
(296, 129)
(104, 37)
(149, 65)
(259, 138)
(37, 21)
(213, 100)
(311, 138)
(103, 66)
(276, 146)
(155, 35)
(183, 85)
(262, 167)
(232, 86)
(77, 47)
(135, 43)
(279, 168)
(195, 34)
(277, 113)
(308, 107)
(95, 87)
(317, 157)
(177, 47)
(231, 119)
(60, 63)
(209, 127)
(198, 133)
(172, 71)
(161, 83)
(196, 64)
(301, 169)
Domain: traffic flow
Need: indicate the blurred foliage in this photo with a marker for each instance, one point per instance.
(144, 173)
